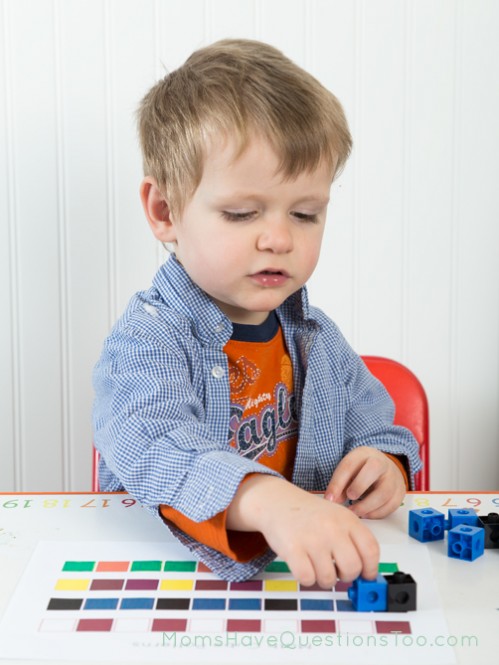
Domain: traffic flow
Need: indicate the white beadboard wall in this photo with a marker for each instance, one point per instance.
(410, 263)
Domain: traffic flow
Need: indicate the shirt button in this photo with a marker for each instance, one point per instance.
(218, 372)
(150, 309)
(219, 327)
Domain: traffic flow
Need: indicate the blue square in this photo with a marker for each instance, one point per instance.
(208, 604)
(245, 604)
(316, 605)
(345, 606)
(101, 604)
(137, 604)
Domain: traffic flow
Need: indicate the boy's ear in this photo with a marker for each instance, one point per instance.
(157, 210)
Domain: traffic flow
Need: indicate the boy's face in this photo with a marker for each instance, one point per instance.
(248, 238)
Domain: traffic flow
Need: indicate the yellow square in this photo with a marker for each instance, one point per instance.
(281, 585)
(176, 585)
(72, 585)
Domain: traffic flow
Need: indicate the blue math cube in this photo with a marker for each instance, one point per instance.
(426, 524)
(459, 516)
(465, 542)
(369, 595)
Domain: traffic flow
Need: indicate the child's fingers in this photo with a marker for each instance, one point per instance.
(349, 563)
(326, 572)
(342, 478)
(382, 501)
(365, 478)
(369, 503)
(382, 511)
(302, 568)
(368, 549)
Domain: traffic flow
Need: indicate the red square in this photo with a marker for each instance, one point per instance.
(393, 627)
(318, 626)
(244, 626)
(94, 625)
(169, 625)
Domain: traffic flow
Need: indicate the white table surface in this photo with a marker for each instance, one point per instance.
(469, 591)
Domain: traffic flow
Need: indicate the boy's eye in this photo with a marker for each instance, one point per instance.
(237, 216)
(306, 217)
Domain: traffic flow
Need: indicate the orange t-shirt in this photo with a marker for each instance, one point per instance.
(263, 423)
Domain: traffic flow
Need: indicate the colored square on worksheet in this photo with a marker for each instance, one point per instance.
(318, 626)
(180, 566)
(94, 625)
(280, 585)
(281, 604)
(78, 566)
(208, 604)
(141, 585)
(113, 566)
(277, 567)
(211, 585)
(244, 625)
(250, 585)
(384, 568)
(169, 625)
(107, 585)
(137, 604)
(65, 604)
(243, 604)
(173, 603)
(176, 585)
(72, 585)
(203, 568)
(316, 604)
(101, 603)
(154, 566)
(393, 627)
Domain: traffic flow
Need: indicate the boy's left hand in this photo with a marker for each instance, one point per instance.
(370, 479)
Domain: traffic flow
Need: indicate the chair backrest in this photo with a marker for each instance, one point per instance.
(95, 469)
(411, 407)
(411, 411)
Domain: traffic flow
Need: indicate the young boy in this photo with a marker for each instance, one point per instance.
(222, 397)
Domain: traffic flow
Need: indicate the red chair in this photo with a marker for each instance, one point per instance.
(411, 407)
(95, 470)
(411, 411)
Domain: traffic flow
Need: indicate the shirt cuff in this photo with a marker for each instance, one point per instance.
(241, 546)
(400, 462)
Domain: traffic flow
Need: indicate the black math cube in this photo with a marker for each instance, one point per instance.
(490, 523)
(401, 592)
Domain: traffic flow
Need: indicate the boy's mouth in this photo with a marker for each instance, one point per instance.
(270, 277)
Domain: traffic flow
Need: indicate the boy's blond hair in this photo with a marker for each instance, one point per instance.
(235, 88)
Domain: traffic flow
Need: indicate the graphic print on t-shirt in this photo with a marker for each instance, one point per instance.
(263, 415)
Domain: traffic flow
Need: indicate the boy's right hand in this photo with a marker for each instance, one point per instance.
(319, 540)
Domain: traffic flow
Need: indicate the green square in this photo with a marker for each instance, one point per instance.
(388, 568)
(78, 566)
(146, 565)
(277, 567)
(181, 566)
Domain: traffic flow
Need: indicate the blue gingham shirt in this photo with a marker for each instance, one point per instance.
(162, 407)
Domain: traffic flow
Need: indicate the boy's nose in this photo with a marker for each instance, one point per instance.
(276, 236)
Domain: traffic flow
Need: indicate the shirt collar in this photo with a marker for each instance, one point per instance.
(212, 326)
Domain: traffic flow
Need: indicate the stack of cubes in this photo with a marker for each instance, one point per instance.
(387, 593)
(468, 533)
